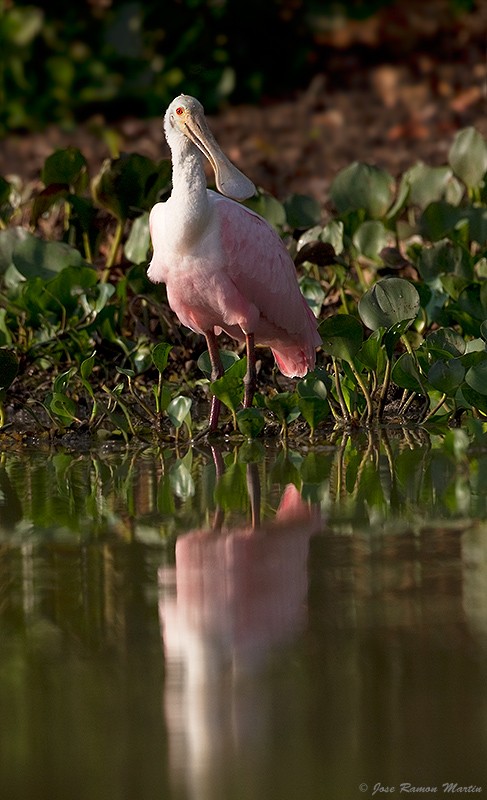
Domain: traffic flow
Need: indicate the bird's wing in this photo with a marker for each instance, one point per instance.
(257, 262)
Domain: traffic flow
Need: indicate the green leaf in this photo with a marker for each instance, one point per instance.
(86, 367)
(429, 184)
(405, 373)
(178, 409)
(446, 340)
(362, 186)
(370, 238)
(138, 241)
(62, 381)
(476, 377)
(387, 302)
(302, 211)
(446, 376)
(9, 366)
(229, 388)
(314, 410)
(36, 257)
(342, 336)
(392, 336)
(66, 166)
(284, 405)
(250, 422)
(268, 207)
(468, 156)
(63, 407)
(160, 355)
(122, 185)
(314, 293)
(227, 357)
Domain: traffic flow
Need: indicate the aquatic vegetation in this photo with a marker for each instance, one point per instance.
(397, 277)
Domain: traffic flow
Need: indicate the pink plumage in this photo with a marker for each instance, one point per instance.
(238, 278)
(225, 268)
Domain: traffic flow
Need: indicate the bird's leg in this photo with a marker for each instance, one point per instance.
(250, 380)
(216, 372)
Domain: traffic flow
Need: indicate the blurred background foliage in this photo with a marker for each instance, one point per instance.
(62, 62)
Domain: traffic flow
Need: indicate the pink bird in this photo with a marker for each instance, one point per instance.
(225, 268)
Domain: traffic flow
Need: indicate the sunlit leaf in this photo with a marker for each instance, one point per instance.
(387, 302)
(138, 241)
(178, 409)
(468, 156)
(362, 186)
(370, 238)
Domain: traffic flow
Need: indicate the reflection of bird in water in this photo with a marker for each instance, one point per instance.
(224, 266)
(240, 593)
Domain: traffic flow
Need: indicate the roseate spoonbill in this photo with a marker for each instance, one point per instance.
(225, 268)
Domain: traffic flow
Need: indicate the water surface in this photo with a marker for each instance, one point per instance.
(243, 622)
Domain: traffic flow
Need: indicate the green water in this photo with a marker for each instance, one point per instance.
(244, 622)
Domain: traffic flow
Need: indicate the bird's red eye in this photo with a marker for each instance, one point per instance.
(179, 110)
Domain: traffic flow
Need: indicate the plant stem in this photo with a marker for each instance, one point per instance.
(341, 399)
(365, 391)
(385, 387)
(117, 238)
(435, 409)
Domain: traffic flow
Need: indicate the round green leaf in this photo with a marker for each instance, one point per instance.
(428, 184)
(35, 257)
(362, 186)
(476, 377)
(370, 238)
(342, 336)
(446, 376)
(227, 357)
(302, 211)
(387, 302)
(446, 340)
(468, 156)
(66, 166)
(483, 330)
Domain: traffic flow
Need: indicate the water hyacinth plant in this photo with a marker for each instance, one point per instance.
(396, 276)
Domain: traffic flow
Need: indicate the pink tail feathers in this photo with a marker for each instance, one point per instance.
(294, 362)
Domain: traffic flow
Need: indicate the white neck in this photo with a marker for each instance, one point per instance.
(189, 198)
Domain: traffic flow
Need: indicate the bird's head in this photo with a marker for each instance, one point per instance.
(186, 117)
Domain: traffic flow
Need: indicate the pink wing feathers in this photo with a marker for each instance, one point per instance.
(257, 262)
(238, 277)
